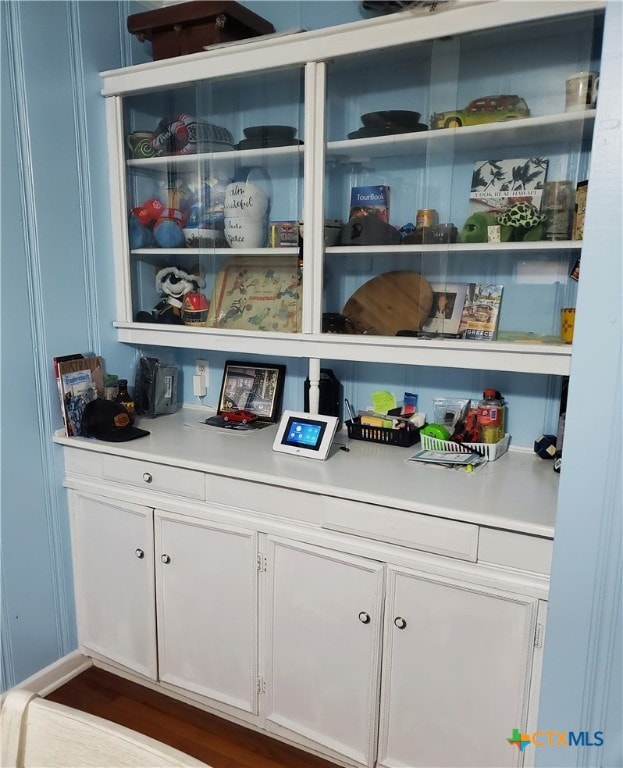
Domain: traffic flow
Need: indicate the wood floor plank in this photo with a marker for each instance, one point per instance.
(209, 738)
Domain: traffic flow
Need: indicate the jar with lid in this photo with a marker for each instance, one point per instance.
(490, 419)
(125, 399)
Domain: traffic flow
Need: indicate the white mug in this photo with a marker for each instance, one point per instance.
(245, 200)
(245, 233)
(581, 91)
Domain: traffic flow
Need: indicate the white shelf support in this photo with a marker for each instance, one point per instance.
(314, 385)
(117, 186)
(313, 204)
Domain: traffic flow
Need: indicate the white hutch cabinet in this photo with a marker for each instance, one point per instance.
(320, 84)
(393, 623)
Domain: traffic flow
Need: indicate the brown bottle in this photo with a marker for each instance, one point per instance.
(124, 398)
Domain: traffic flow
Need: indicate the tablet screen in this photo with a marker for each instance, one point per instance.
(304, 432)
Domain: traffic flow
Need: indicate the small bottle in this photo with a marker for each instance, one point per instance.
(124, 398)
(490, 417)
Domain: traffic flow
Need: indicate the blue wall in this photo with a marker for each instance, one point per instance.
(58, 296)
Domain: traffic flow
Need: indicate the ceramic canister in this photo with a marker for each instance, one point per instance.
(245, 200)
(139, 143)
(241, 232)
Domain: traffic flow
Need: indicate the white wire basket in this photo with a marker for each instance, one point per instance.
(489, 451)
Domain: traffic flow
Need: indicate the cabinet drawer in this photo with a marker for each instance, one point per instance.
(156, 477)
(266, 499)
(409, 529)
(516, 550)
(81, 462)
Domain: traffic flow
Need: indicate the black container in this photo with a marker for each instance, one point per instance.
(331, 394)
(403, 438)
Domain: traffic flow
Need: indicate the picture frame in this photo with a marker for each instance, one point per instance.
(445, 320)
(253, 387)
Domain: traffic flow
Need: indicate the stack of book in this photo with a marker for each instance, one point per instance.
(80, 379)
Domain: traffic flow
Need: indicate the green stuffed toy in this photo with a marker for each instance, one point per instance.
(475, 229)
(525, 221)
(521, 221)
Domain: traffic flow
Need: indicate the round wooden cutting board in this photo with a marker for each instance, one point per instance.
(391, 302)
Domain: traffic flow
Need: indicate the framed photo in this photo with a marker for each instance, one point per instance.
(254, 388)
(445, 314)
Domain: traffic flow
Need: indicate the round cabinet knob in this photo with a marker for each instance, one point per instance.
(364, 617)
(165, 559)
(147, 477)
(139, 553)
(400, 622)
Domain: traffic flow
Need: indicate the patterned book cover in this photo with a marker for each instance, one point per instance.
(481, 313)
(497, 184)
(251, 296)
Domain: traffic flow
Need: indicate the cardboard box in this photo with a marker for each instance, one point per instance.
(188, 27)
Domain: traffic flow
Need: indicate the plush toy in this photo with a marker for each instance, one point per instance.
(174, 283)
(521, 221)
(524, 220)
(475, 229)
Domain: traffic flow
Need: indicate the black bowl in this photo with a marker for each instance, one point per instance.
(270, 132)
(401, 117)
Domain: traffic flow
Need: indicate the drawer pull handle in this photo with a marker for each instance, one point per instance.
(147, 477)
(364, 617)
(139, 553)
(400, 622)
(165, 559)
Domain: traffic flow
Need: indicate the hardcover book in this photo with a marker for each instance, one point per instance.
(481, 312)
(370, 201)
(253, 297)
(497, 184)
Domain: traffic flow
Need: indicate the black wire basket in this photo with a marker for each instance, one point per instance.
(404, 438)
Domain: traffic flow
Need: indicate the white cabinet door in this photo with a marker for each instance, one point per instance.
(324, 617)
(114, 581)
(206, 583)
(456, 673)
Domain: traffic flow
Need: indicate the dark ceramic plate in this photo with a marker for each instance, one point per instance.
(368, 132)
(272, 132)
(403, 117)
(266, 143)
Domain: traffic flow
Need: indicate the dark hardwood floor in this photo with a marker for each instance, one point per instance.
(208, 738)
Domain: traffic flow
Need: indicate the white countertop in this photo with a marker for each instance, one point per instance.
(518, 492)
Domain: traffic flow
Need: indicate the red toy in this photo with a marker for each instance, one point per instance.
(195, 308)
(242, 417)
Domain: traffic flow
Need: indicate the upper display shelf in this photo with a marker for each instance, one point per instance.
(188, 163)
(560, 128)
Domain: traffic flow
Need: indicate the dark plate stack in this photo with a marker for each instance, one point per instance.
(387, 123)
(266, 136)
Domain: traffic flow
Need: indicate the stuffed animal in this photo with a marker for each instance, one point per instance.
(475, 229)
(174, 283)
(520, 221)
(524, 220)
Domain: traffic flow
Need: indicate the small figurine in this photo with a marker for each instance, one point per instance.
(174, 283)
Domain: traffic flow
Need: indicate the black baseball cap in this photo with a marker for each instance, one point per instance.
(108, 420)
